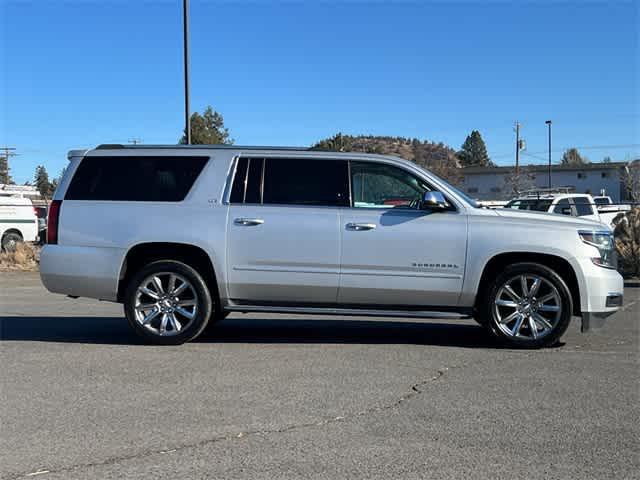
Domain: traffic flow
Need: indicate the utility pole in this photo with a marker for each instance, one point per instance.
(517, 149)
(548, 122)
(8, 152)
(185, 25)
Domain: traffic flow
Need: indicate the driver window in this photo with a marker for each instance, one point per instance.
(376, 185)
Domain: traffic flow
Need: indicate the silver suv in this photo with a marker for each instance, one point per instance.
(183, 235)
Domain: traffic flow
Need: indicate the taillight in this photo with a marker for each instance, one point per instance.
(53, 221)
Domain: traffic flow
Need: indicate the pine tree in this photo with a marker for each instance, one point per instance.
(573, 157)
(5, 177)
(41, 179)
(474, 152)
(208, 129)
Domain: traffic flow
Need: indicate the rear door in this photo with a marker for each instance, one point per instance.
(283, 230)
(394, 254)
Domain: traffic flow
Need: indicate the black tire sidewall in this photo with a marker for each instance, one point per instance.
(7, 237)
(205, 303)
(548, 274)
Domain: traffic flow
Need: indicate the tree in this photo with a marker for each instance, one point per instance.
(56, 181)
(5, 176)
(41, 179)
(337, 143)
(473, 152)
(606, 159)
(208, 129)
(573, 157)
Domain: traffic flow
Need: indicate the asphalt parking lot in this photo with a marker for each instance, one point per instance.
(267, 396)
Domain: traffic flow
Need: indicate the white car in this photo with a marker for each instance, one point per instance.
(183, 235)
(573, 204)
(18, 221)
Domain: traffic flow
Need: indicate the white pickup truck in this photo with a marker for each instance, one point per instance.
(183, 235)
(18, 221)
(599, 209)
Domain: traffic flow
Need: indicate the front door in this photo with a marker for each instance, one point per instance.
(394, 254)
(283, 230)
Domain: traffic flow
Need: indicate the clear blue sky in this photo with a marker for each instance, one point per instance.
(79, 73)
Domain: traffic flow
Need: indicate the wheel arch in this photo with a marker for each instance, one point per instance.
(558, 264)
(142, 254)
(12, 230)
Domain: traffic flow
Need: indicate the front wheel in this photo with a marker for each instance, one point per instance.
(528, 305)
(167, 303)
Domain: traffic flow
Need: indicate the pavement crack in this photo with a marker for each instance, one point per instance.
(415, 390)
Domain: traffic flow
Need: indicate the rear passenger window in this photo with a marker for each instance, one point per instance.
(136, 179)
(289, 181)
(583, 206)
(247, 182)
(306, 182)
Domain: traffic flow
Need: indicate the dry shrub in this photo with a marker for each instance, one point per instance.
(24, 258)
(627, 240)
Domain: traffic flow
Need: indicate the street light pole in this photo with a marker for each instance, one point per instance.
(187, 115)
(548, 122)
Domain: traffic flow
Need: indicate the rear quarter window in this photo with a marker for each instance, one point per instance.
(136, 179)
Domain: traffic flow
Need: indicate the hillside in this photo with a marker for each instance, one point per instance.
(437, 157)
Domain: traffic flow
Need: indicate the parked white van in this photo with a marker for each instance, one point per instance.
(18, 221)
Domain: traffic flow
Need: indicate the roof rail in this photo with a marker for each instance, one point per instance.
(118, 146)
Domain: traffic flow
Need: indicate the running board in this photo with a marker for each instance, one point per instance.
(346, 311)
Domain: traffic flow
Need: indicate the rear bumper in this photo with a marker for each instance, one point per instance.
(81, 271)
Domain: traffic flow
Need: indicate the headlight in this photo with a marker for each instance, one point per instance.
(603, 241)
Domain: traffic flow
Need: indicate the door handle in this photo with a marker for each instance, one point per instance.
(360, 227)
(248, 222)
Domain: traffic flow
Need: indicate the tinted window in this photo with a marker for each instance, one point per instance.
(535, 205)
(376, 185)
(601, 201)
(141, 179)
(239, 181)
(254, 181)
(306, 182)
(562, 207)
(583, 206)
(247, 182)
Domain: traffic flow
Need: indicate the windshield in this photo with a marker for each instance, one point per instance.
(465, 197)
(601, 201)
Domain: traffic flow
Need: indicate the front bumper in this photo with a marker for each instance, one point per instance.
(601, 294)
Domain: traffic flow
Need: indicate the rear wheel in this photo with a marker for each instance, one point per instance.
(168, 303)
(10, 241)
(528, 305)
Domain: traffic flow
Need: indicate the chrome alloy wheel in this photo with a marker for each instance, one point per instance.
(527, 307)
(165, 303)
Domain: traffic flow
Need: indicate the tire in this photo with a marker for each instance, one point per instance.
(533, 319)
(163, 319)
(10, 241)
(216, 317)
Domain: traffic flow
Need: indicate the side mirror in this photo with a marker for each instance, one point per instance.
(433, 201)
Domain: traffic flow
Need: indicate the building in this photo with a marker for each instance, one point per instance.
(496, 183)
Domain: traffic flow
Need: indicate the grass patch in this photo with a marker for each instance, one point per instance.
(25, 258)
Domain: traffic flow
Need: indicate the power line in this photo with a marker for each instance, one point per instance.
(587, 147)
